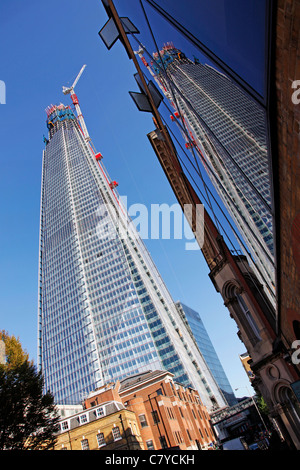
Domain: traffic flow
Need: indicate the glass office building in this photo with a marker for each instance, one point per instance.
(207, 349)
(104, 311)
(227, 133)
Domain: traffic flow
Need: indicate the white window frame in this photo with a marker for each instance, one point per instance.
(143, 422)
(85, 444)
(64, 426)
(83, 419)
(119, 433)
(100, 412)
(102, 438)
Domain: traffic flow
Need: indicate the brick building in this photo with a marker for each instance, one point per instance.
(270, 337)
(106, 427)
(269, 334)
(287, 168)
(168, 414)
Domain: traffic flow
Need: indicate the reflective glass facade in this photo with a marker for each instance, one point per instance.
(228, 136)
(234, 31)
(104, 311)
(207, 349)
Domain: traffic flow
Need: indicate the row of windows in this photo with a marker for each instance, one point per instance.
(159, 333)
(126, 367)
(84, 186)
(83, 418)
(169, 411)
(101, 439)
(243, 160)
(234, 209)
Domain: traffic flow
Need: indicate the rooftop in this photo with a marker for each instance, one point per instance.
(133, 380)
(90, 414)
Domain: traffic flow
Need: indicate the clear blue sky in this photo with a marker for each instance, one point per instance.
(43, 46)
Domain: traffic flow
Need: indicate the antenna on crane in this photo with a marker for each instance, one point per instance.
(66, 91)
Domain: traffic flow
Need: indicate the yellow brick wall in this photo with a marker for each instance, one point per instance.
(71, 439)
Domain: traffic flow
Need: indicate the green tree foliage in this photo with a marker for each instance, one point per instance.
(28, 417)
(262, 406)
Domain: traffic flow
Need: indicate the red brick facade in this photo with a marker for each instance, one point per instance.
(169, 415)
(288, 188)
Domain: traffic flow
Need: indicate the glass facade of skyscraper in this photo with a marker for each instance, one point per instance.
(234, 32)
(227, 134)
(104, 311)
(207, 349)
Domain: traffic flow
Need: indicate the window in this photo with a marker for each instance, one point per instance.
(101, 439)
(85, 444)
(231, 292)
(170, 411)
(99, 412)
(248, 315)
(178, 437)
(155, 417)
(143, 421)
(116, 433)
(198, 444)
(150, 445)
(83, 419)
(163, 442)
(64, 426)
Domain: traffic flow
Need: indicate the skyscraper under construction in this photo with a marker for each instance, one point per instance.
(104, 311)
(226, 131)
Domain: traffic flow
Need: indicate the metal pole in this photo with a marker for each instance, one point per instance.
(259, 413)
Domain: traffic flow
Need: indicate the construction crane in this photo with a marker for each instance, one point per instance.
(66, 91)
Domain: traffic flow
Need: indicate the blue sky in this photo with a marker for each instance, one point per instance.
(43, 45)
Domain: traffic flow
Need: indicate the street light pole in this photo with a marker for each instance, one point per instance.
(254, 403)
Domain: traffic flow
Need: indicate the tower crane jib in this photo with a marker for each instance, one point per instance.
(67, 90)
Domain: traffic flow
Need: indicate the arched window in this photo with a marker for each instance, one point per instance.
(287, 399)
(261, 298)
(232, 294)
(248, 315)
